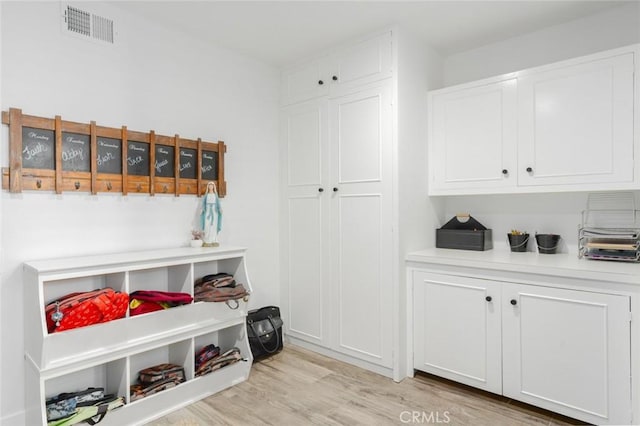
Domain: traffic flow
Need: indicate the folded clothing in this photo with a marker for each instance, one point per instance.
(145, 301)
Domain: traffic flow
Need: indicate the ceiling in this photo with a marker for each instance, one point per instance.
(281, 32)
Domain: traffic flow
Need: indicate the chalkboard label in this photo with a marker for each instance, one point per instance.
(76, 151)
(138, 158)
(38, 148)
(109, 155)
(188, 163)
(165, 157)
(209, 169)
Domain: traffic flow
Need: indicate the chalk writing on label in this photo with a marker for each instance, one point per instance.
(30, 152)
(207, 168)
(161, 164)
(103, 159)
(132, 161)
(137, 148)
(108, 145)
(163, 151)
(70, 139)
(185, 154)
(207, 156)
(34, 135)
(71, 154)
(185, 166)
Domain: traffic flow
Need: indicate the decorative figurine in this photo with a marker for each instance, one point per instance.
(211, 215)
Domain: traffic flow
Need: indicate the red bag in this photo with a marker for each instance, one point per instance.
(86, 308)
(144, 301)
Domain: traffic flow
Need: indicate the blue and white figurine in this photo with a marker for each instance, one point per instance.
(211, 216)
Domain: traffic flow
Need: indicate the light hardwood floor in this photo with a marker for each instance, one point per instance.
(299, 387)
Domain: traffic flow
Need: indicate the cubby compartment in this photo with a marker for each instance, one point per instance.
(111, 354)
(175, 278)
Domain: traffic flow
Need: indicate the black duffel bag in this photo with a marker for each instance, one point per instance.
(264, 328)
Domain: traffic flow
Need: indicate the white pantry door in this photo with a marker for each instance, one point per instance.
(360, 126)
(305, 220)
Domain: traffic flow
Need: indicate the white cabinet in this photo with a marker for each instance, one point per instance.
(568, 351)
(337, 223)
(110, 354)
(564, 350)
(473, 137)
(457, 322)
(575, 123)
(562, 127)
(341, 70)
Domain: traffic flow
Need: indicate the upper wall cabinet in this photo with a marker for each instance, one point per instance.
(341, 70)
(568, 126)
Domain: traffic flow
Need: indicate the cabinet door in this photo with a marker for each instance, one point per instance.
(576, 123)
(568, 351)
(360, 63)
(305, 81)
(304, 219)
(361, 207)
(473, 138)
(457, 329)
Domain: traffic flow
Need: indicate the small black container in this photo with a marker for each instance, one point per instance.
(547, 243)
(518, 242)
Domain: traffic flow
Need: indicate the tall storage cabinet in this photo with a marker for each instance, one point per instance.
(111, 354)
(337, 209)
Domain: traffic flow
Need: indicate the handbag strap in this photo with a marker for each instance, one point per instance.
(275, 330)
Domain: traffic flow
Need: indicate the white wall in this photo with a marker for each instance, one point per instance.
(544, 213)
(616, 27)
(155, 79)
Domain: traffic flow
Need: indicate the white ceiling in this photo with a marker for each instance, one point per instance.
(281, 32)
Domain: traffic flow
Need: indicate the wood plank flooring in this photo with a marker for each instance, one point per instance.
(299, 387)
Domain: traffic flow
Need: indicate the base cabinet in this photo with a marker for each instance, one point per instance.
(564, 350)
(110, 355)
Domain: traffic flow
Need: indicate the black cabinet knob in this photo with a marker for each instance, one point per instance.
(335, 189)
(334, 78)
(529, 169)
(320, 189)
(488, 299)
(505, 171)
(514, 302)
(320, 82)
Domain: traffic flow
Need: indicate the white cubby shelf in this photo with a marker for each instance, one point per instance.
(110, 354)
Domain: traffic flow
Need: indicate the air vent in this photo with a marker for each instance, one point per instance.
(84, 24)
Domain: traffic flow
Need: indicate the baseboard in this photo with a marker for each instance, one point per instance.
(383, 371)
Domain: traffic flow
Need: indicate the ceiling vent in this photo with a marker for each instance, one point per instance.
(84, 24)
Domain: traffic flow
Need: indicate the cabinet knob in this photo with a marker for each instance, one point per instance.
(529, 170)
(335, 189)
(334, 78)
(488, 299)
(320, 189)
(514, 302)
(505, 171)
(320, 82)
(77, 185)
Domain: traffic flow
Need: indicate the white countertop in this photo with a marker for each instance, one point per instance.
(562, 264)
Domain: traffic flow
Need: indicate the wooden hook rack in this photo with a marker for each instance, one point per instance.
(51, 154)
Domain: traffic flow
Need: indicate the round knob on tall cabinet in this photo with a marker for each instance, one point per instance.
(320, 189)
(320, 82)
(529, 169)
(514, 302)
(505, 171)
(335, 189)
(334, 78)
(488, 299)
